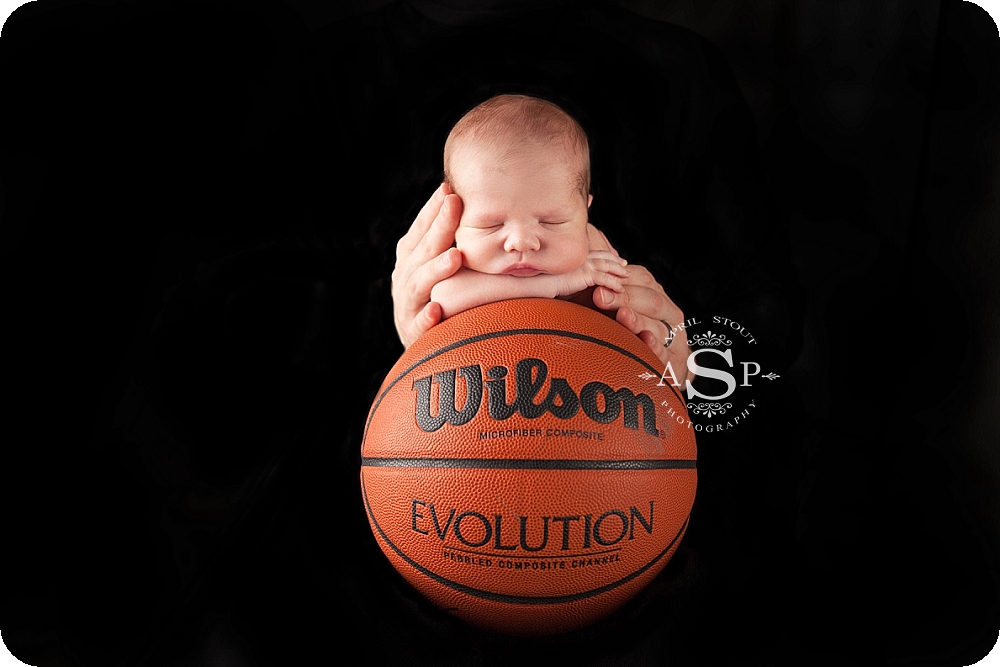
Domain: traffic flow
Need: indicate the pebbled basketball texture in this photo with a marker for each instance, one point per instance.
(524, 468)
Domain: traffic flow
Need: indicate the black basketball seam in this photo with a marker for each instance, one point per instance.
(500, 334)
(515, 599)
(528, 464)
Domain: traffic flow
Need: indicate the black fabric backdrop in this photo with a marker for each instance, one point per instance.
(202, 202)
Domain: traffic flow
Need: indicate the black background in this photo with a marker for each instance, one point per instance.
(183, 251)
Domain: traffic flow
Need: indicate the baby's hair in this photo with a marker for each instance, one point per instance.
(506, 121)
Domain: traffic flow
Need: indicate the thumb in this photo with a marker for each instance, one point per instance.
(428, 318)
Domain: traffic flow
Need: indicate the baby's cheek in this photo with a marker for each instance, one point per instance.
(579, 254)
(474, 256)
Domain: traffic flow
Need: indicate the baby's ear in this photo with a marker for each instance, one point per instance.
(590, 200)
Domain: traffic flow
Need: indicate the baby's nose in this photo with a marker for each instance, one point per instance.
(522, 239)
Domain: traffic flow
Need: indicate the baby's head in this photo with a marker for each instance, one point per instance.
(522, 168)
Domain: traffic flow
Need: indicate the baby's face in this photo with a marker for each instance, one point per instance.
(522, 217)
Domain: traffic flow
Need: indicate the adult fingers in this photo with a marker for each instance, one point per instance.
(412, 312)
(429, 316)
(667, 342)
(651, 315)
(412, 294)
(440, 235)
(421, 223)
(663, 331)
(424, 257)
(648, 303)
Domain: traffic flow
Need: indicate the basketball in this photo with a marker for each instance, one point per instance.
(525, 467)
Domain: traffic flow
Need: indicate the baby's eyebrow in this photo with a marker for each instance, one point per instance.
(560, 214)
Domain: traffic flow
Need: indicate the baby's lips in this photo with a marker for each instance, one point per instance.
(522, 270)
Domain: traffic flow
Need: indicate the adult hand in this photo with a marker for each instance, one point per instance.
(646, 310)
(425, 257)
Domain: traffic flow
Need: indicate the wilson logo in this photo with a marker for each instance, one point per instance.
(529, 378)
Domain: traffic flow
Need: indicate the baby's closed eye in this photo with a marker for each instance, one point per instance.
(485, 228)
(483, 223)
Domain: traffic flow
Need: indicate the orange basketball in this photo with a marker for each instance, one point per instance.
(525, 468)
